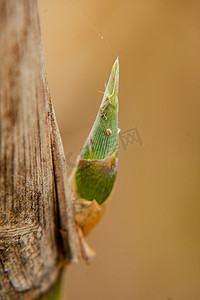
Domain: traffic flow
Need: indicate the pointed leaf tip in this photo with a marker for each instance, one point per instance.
(111, 92)
(116, 63)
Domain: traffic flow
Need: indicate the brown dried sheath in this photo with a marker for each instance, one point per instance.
(31, 162)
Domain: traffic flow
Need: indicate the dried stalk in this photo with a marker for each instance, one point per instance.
(34, 198)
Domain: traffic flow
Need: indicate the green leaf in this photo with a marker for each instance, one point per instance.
(96, 166)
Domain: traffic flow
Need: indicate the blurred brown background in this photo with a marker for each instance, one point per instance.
(148, 243)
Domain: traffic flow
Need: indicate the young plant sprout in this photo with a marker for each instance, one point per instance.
(93, 178)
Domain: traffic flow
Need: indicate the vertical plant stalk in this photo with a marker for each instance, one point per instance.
(37, 227)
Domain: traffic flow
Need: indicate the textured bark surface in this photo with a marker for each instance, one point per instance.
(32, 187)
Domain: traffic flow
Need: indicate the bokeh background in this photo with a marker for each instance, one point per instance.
(148, 243)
